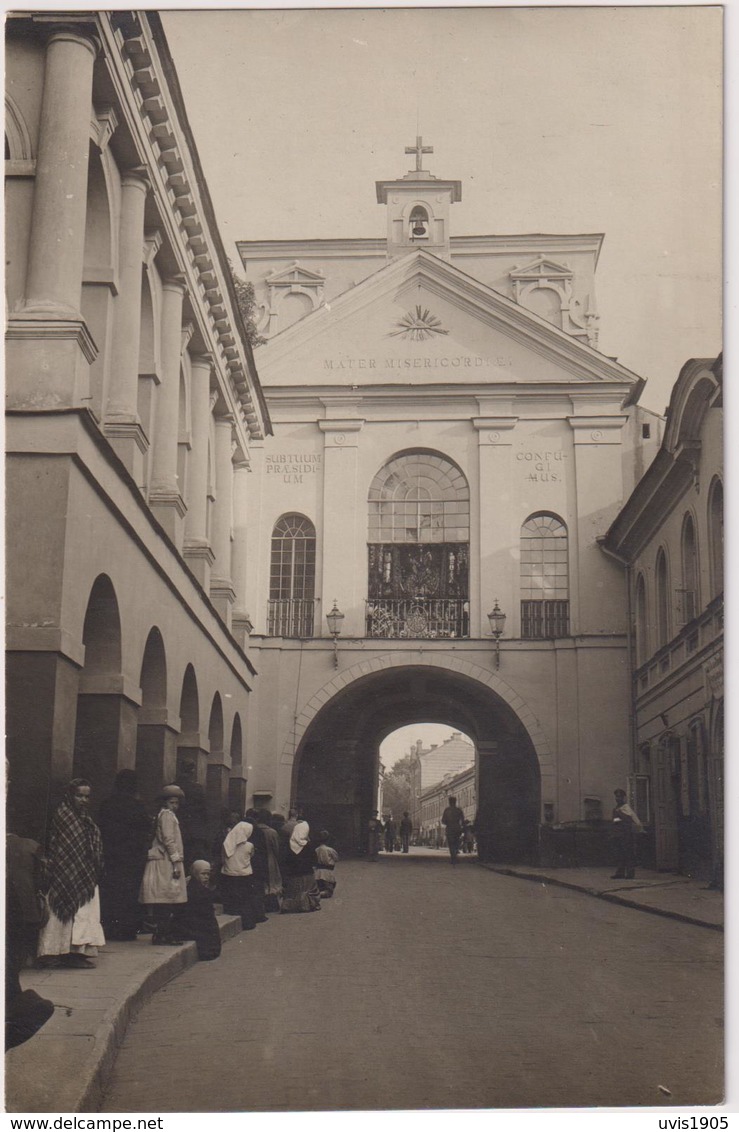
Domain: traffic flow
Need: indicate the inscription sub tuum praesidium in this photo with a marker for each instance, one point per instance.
(292, 467)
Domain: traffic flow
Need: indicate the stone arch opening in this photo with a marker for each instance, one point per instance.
(237, 781)
(216, 783)
(155, 739)
(335, 771)
(99, 743)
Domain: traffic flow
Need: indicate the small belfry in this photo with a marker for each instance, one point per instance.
(418, 207)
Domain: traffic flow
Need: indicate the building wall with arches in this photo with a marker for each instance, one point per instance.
(133, 400)
(675, 518)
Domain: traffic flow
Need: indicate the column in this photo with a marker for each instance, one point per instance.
(122, 422)
(497, 577)
(344, 517)
(56, 254)
(49, 348)
(198, 552)
(221, 589)
(164, 497)
(241, 624)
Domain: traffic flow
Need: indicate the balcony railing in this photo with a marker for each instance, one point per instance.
(431, 619)
(541, 620)
(290, 617)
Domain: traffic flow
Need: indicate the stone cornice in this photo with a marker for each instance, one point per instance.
(588, 243)
(147, 89)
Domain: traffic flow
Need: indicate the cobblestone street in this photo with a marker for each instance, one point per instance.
(420, 986)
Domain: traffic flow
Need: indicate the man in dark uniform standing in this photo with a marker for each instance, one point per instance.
(453, 821)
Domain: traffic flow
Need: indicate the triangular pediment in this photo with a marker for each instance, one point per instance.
(542, 268)
(421, 321)
(295, 274)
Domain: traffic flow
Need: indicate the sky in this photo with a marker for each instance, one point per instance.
(559, 120)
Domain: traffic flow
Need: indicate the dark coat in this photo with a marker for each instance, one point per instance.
(197, 920)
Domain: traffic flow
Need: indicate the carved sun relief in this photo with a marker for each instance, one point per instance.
(419, 326)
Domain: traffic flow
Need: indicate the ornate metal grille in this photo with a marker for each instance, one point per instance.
(419, 520)
(437, 619)
(290, 617)
(543, 619)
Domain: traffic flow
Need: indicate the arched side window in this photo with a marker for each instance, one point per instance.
(663, 600)
(716, 536)
(418, 536)
(688, 595)
(545, 606)
(292, 578)
(642, 628)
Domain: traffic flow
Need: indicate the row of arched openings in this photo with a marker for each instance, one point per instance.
(103, 735)
(658, 619)
(418, 559)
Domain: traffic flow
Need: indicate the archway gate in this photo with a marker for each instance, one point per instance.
(334, 774)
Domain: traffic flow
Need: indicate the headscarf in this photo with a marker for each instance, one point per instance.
(236, 836)
(299, 836)
(75, 861)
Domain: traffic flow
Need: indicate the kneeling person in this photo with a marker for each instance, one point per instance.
(197, 919)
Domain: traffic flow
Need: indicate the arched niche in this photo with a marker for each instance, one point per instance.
(238, 781)
(156, 735)
(105, 723)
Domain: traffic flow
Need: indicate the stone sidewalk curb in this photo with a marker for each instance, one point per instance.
(83, 1085)
(612, 897)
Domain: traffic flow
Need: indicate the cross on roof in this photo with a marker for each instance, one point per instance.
(419, 149)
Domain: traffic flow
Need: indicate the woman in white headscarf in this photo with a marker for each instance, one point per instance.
(236, 885)
(300, 888)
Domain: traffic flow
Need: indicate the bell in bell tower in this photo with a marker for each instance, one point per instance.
(418, 207)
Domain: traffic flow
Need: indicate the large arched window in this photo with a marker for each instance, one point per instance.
(292, 578)
(545, 602)
(716, 536)
(419, 523)
(642, 632)
(689, 554)
(663, 605)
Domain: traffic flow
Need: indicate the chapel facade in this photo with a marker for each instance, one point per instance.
(449, 449)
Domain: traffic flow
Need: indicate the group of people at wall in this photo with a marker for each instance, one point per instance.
(386, 833)
(131, 874)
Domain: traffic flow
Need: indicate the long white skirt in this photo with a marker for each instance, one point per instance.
(82, 935)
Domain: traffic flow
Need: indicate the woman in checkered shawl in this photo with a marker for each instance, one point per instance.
(74, 864)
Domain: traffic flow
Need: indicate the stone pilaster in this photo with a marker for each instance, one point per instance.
(241, 624)
(122, 424)
(496, 578)
(156, 750)
(599, 483)
(221, 587)
(344, 525)
(165, 496)
(198, 551)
